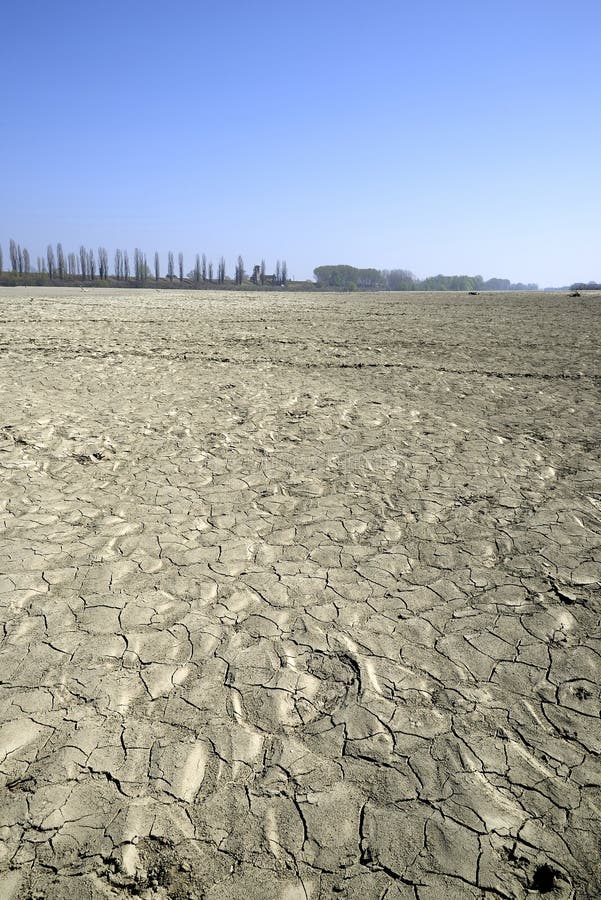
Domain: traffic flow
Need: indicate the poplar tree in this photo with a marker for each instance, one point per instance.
(83, 262)
(103, 264)
(60, 261)
(12, 252)
(50, 260)
(139, 266)
(239, 274)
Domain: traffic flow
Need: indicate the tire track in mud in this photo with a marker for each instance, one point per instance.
(271, 361)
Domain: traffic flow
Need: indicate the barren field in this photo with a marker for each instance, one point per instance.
(300, 596)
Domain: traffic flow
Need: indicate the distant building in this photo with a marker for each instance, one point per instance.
(266, 279)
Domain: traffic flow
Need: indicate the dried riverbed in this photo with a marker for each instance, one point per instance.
(300, 595)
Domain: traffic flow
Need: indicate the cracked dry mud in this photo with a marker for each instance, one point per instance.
(299, 596)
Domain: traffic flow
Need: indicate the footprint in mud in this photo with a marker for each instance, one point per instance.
(340, 677)
(318, 685)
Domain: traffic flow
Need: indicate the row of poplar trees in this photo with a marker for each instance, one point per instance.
(88, 266)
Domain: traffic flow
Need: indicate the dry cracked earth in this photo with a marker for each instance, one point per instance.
(300, 596)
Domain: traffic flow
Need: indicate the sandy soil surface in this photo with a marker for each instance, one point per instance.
(299, 596)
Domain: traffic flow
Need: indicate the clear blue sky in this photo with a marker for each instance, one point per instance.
(440, 136)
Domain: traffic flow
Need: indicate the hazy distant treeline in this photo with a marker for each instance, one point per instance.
(94, 265)
(350, 278)
(585, 286)
(87, 265)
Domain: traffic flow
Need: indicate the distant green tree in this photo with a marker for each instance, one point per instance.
(579, 286)
(497, 284)
(342, 277)
(399, 280)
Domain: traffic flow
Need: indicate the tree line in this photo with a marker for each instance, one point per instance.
(89, 265)
(350, 278)
(585, 286)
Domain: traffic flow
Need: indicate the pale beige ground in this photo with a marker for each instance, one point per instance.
(299, 596)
